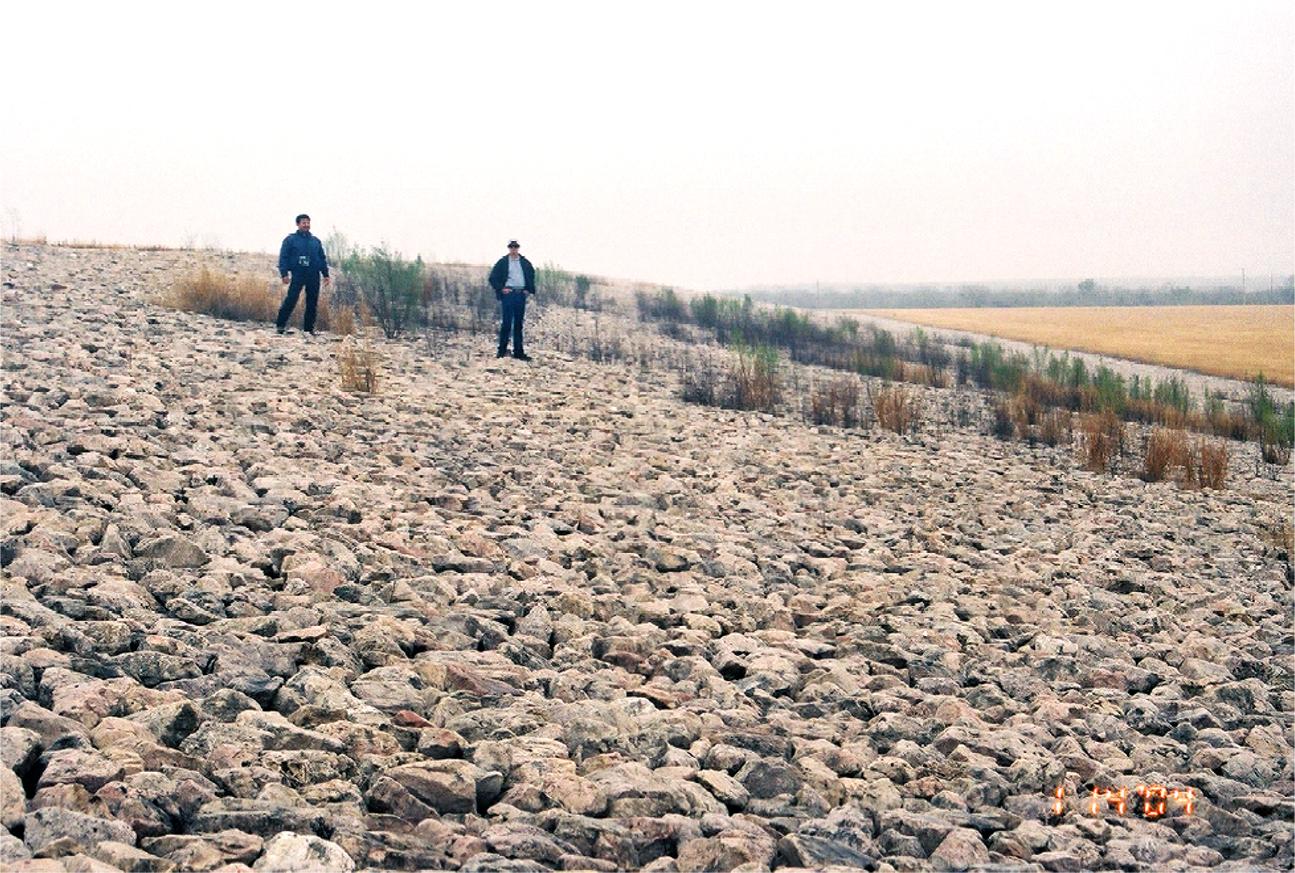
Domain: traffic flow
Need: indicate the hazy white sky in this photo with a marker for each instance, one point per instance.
(710, 145)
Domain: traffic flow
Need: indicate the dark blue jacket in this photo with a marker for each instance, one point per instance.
(302, 253)
(499, 275)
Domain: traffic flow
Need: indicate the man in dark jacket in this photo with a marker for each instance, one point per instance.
(512, 278)
(302, 256)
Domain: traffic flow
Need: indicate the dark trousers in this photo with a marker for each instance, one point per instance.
(310, 281)
(512, 309)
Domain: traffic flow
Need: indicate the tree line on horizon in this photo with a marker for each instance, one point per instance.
(1086, 293)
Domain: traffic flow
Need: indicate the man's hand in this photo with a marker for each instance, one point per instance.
(328, 280)
(285, 280)
(506, 291)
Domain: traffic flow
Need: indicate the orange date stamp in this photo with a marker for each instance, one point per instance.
(1149, 801)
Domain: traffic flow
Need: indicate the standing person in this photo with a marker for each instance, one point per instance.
(303, 256)
(513, 278)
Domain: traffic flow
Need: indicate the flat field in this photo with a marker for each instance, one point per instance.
(1235, 341)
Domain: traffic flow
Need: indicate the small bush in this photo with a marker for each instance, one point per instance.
(1102, 439)
(237, 298)
(1166, 450)
(1002, 427)
(1054, 427)
(835, 403)
(1281, 535)
(604, 348)
(390, 286)
(754, 381)
(701, 386)
(896, 409)
(344, 321)
(1273, 452)
(359, 367)
(1213, 459)
(1025, 412)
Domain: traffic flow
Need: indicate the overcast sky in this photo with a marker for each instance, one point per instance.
(709, 145)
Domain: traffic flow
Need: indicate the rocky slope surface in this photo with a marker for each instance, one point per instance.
(524, 617)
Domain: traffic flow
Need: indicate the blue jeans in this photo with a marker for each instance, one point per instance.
(512, 309)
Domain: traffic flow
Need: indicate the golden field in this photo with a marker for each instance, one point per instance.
(1236, 341)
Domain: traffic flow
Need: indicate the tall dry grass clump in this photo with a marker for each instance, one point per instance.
(344, 321)
(836, 403)
(896, 409)
(1055, 427)
(1212, 456)
(1167, 449)
(701, 386)
(1101, 440)
(1170, 453)
(754, 379)
(358, 364)
(1003, 425)
(237, 298)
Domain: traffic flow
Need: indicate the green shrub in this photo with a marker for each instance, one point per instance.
(390, 286)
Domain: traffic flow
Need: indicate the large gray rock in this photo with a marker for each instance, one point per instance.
(298, 853)
(45, 826)
(962, 849)
(172, 551)
(13, 800)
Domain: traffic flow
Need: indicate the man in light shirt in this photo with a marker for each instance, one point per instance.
(512, 278)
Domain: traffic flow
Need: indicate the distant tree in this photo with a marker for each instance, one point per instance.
(1088, 286)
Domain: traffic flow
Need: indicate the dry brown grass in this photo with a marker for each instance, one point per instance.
(237, 298)
(358, 364)
(1167, 449)
(1272, 451)
(1055, 427)
(755, 382)
(1235, 341)
(896, 408)
(1101, 440)
(344, 321)
(836, 402)
(1170, 453)
(1212, 457)
(1280, 534)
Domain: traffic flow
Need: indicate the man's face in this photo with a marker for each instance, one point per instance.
(304, 225)
(513, 251)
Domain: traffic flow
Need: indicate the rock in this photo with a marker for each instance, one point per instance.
(769, 778)
(12, 850)
(206, 852)
(43, 827)
(727, 850)
(726, 789)
(173, 552)
(506, 618)
(962, 849)
(13, 800)
(127, 857)
(295, 853)
(444, 786)
(19, 749)
(816, 852)
(81, 766)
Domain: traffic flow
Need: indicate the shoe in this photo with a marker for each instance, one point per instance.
(522, 356)
(280, 330)
(502, 353)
